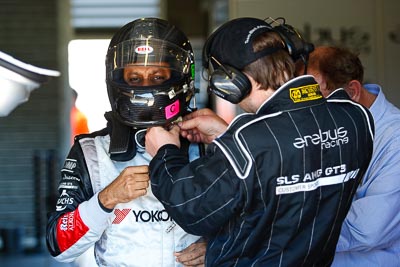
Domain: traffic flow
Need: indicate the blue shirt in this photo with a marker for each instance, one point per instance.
(370, 234)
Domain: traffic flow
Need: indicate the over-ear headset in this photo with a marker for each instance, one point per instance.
(232, 84)
(229, 83)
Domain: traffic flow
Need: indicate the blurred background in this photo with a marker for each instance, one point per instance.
(72, 36)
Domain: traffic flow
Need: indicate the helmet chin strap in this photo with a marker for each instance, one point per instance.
(122, 145)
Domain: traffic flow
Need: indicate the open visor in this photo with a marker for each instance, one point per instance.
(147, 52)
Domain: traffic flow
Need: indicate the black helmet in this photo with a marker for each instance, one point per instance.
(167, 54)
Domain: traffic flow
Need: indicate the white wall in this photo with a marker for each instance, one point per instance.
(371, 27)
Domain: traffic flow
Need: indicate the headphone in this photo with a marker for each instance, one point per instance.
(228, 83)
(233, 85)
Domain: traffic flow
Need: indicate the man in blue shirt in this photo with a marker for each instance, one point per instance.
(370, 234)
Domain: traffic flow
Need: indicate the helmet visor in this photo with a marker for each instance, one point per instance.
(148, 53)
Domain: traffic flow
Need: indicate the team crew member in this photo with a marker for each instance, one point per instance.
(370, 234)
(104, 196)
(275, 185)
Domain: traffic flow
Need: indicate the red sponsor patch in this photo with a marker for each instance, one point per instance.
(70, 228)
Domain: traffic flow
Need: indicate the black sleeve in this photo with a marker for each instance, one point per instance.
(74, 188)
(201, 195)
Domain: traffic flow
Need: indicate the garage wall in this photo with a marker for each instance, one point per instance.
(371, 27)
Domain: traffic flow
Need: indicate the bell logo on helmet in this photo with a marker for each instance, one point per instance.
(144, 49)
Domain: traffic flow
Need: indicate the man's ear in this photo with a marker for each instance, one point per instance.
(353, 89)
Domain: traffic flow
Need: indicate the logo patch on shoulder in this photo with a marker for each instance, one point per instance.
(69, 165)
(305, 93)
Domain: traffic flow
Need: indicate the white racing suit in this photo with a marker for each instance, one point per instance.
(137, 233)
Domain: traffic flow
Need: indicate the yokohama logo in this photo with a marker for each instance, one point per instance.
(120, 215)
(142, 215)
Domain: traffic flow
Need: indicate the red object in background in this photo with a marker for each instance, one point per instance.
(78, 120)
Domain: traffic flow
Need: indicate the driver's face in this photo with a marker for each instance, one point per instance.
(136, 75)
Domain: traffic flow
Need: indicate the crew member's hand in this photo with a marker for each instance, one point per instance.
(131, 183)
(202, 126)
(156, 137)
(193, 255)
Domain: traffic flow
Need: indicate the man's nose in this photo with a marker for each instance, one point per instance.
(147, 81)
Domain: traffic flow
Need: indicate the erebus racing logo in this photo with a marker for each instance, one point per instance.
(327, 139)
